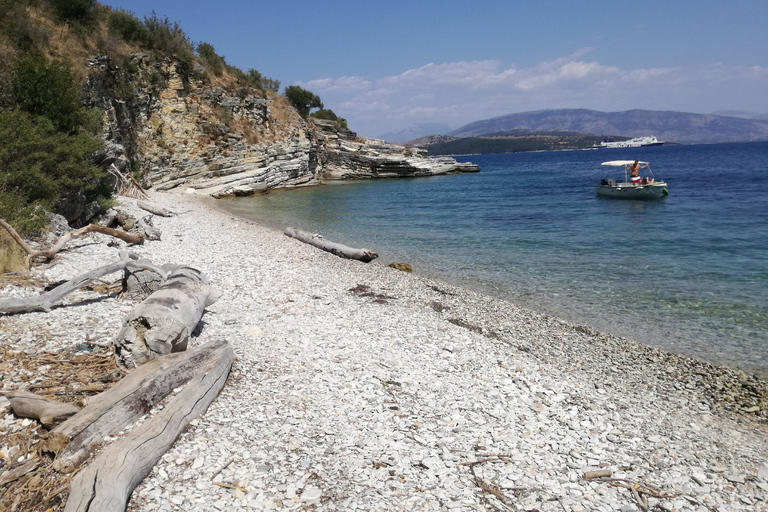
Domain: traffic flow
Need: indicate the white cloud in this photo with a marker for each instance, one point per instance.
(461, 92)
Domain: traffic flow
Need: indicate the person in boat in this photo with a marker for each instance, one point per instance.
(635, 168)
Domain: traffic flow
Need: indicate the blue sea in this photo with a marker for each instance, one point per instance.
(687, 273)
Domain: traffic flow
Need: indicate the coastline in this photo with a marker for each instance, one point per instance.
(359, 386)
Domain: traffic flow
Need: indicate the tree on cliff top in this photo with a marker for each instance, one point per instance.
(302, 100)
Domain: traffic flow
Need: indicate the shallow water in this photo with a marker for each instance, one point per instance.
(688, 273)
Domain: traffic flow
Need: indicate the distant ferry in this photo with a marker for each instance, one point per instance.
(631, 143)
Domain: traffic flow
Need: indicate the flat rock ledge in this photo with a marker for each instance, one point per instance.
(360, 387)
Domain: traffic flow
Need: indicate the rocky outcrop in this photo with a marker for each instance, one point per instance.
(227, 139)
(343, 155)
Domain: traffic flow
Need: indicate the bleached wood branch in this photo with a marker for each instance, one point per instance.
(29, 405)
(133, 396)
(107, 483)
(45, 301)
(343, 251)
(48, 254)
(153, 209)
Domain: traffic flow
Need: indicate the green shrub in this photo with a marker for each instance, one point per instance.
(17, 27)
(39, 164)
(328, 114)
(127, 27)
(74, 11)
(211, 58)
(166, 37)
(47, 89)
(271, 84)
(302, 100)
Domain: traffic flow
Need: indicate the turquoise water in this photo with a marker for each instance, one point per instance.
(688, 273)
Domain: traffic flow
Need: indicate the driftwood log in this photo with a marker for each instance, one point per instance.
(48, 254)
(343, 251)
(154, 209)
(164, 321)
(133, 396)
(29, 405)
(107, 483)
(45, 301)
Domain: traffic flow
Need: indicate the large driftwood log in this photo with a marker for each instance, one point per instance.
(154, 209)
(364, 255)
(107, 483)
(163, 322)
(45, 301)
(29, 405)
(133, 396)
(48, 254)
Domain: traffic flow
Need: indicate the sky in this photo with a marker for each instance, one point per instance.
(389, 65)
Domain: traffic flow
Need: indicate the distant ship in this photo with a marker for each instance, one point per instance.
(631, 143)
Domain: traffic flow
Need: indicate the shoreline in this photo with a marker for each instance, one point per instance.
(359, 386)
(556, 309)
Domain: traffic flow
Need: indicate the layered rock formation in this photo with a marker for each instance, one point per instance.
(228, 139)
(343, 155)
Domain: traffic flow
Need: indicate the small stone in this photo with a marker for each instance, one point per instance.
(736, 479)
(311, 493)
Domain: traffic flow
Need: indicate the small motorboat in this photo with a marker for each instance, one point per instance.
(646, 188)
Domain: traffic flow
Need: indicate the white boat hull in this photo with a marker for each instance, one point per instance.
(630, 191)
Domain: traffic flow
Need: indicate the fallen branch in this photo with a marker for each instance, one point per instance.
(343, 251)
(19, 471)
(637, 489)
(133, 396)
(30, 405)
(48, 254)
(45, 301)
(128, 186)
(107, 483)
(153, 209)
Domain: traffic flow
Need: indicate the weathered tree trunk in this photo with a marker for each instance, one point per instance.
(364, 255)
(107, 483)
(163, 322)
(133, 396)
(29, 405)
(154, 209)
(141, 283)
(45, 301)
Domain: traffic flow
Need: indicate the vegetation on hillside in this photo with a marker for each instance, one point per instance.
(302, 99)
(328, 114)
(48, 138)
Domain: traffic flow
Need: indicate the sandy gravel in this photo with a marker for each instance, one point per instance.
(360, 387)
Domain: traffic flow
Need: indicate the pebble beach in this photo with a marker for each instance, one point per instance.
(361, 387)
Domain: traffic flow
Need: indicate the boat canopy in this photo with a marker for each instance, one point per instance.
(621, 163)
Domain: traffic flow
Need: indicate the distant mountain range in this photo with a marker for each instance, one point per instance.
(665, 125)
(415, 131)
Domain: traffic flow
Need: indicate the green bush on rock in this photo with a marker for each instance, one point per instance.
(39, 164)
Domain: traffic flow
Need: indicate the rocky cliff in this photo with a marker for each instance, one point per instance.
(223, 139)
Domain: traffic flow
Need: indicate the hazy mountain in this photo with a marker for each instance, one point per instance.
(666, 125)
(414, 132)
(736, 113)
